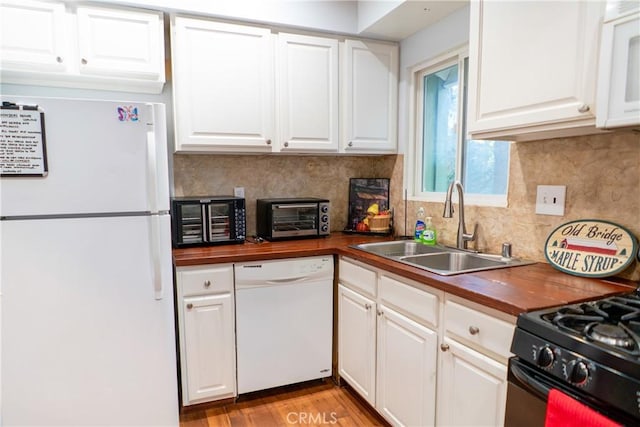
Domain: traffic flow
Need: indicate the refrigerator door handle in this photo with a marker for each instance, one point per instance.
(152, 173)
(156, 259)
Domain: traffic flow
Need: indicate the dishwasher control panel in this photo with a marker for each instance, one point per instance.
(291, 269)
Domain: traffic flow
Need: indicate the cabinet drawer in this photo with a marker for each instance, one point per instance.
(414, 302)
(481, 330)
(208, 280)
(357, 276)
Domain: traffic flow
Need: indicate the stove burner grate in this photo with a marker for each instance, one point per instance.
(613, 322)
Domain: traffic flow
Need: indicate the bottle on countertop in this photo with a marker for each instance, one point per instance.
(429, 235)
(419, 225)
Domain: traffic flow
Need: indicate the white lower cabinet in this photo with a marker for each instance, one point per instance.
(473, 387)
(420, 356)
(387, 347)
(472, 372)
(357, 342)
(206, 323)
(406, 371)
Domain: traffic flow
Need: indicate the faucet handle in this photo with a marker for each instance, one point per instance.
(471, 237)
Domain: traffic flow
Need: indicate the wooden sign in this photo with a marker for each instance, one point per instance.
(591, 248)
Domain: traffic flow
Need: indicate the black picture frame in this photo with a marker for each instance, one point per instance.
(363, 192)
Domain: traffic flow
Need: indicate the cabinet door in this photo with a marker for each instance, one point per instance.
(223, 83)
(357, 342)
(406, 370)
(472, 387)
(370, 97)
(308, 93)
(121, 43)
(209, 348)
(521, 85)
(32, 35)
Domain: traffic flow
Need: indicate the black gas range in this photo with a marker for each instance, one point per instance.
(590, 351)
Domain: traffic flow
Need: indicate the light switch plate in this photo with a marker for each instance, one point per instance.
(238, 192)
(550, 199)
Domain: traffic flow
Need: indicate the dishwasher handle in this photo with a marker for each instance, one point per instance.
(251, 284)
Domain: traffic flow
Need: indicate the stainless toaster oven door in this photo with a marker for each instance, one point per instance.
(290, 220)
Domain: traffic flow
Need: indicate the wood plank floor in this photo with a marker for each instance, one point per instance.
(317, 403)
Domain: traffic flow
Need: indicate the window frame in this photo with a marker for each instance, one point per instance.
(413, 163)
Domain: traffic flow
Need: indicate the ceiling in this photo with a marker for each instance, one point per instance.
(409, 17)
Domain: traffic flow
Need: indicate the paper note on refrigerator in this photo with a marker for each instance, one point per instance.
(22, 141)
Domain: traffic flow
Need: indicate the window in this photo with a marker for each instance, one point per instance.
(442, 152)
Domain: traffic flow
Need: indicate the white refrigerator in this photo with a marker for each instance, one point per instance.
(87, 320)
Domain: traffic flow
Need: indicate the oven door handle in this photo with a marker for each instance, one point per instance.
(538, 387)
(296, 206)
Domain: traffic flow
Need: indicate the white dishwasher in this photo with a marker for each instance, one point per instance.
(284, 321)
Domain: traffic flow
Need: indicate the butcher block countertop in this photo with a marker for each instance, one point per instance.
(511, 290)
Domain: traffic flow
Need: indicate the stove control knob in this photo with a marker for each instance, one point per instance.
(546, 357)
(578, 372)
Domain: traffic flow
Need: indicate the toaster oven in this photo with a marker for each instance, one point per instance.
(203, 221)
(292, 218)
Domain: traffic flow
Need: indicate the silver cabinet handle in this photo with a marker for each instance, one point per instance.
(367, 306)
(189, 306)
(286, 144)
(380, 312)
(84, 61)
(207, 283)
(59, 59)
(350, 144)
(444, 347)
(268, 142)
(474, 330)
(583, 108)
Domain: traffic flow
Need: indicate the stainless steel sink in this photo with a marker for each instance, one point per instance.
(438, 259)
(399, 248)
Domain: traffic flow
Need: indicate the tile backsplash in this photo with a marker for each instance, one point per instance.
(601, 173)
(264, 176)
(602, 176)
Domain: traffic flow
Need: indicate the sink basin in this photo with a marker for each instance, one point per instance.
(456, 262)
(438, 259)
(399, 248)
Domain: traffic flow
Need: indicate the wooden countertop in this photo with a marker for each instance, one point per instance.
(511, 290)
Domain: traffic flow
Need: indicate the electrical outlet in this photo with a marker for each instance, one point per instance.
(550, 199)
(238, 192)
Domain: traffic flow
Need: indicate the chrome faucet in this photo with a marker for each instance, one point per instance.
(463, 236)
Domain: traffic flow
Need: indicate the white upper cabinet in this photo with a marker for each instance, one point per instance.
(223, 86)
(308, 93)
(370, 97)
(532, 69)
(248, 89)
(33, 35)
(49, 44)
(120, 43)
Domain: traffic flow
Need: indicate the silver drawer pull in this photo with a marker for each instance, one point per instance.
(367, 306)
(444, 347)
(207, 283)
(474, 330)
(189, 306)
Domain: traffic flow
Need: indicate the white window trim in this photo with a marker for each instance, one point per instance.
(413, 159)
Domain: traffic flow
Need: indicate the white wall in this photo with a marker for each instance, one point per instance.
(449, 33)
(338, 16)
